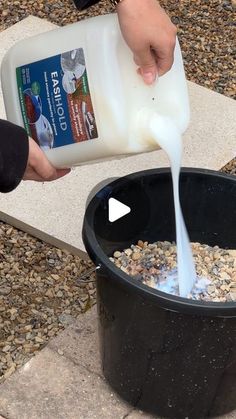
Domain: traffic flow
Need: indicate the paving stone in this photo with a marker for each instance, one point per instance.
(51, 386)
(79, 342)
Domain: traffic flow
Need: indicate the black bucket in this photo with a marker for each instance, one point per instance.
(166, 355)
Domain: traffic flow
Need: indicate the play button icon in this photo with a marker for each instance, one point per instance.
(116, 210)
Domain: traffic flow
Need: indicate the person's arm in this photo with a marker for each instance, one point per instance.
(149, 33)
(21, 158)
(14, 150)
(39, 167)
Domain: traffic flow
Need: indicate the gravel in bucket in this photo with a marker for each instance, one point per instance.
(155, 265)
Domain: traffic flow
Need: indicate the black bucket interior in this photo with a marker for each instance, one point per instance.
(167, 355)
(207, 200)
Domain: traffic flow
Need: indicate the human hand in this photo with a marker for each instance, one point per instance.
(39, 168)
(150, 34)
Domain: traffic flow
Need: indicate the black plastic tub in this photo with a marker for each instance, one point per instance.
(166, 355)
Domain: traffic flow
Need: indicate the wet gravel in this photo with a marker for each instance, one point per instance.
(155, 265)
(38, 291)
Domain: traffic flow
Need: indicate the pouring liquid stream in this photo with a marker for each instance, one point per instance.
(166, 133)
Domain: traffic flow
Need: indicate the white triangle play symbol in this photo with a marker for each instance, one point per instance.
(116, 209)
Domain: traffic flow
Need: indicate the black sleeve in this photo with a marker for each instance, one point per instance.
(14, 150)
(84, 4)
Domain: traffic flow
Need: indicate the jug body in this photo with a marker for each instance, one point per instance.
(76, 91)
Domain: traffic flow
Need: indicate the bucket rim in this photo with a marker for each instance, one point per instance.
(167, 301)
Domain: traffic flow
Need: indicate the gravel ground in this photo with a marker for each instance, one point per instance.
(39, 295)
(38, 291)
(230, 167)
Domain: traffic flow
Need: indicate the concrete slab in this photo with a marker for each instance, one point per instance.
(52, 386)
(79, 342)
(65, 381)
(56, 209)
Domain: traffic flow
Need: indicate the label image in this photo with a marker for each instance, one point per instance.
(55, 100)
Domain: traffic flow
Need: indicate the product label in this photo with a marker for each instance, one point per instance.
(55, 100)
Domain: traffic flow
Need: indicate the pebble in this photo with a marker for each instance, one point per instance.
(136, 256)
(117, 254)
(6, 348)
(39, 339)
(5, 290)
(20, 341)
(66, 319)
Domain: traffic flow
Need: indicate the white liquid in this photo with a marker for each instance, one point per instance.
(164, 131)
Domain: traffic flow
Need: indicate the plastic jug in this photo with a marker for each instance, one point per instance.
(77, 93)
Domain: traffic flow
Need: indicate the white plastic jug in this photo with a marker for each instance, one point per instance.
(76, 91)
